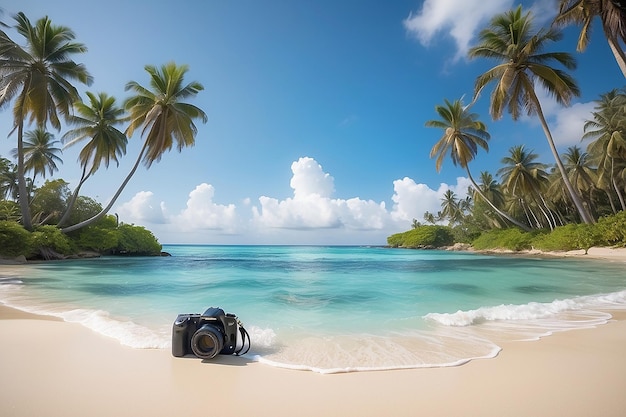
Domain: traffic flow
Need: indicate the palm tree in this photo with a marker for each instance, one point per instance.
(165, 119)
(8, 179)
(462, 136)
(493, 193)
(491, 189)
(581, 173)
(511, 40)
(40, 155)
(450, 208)
(612, 14)
(96, 123)
(608, 132)
(523, 178)
(39, 77)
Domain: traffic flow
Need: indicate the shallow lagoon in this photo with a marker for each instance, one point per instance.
(330, 309)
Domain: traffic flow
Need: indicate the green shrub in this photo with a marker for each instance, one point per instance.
(9, 210)
(561, 238)
(612, 229)
(99, 239)
(569, 237)
(512, 239)
(423, 237)
(137, 240)
(14, 240)
(50, 238)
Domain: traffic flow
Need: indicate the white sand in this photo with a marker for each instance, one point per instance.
(53, 368)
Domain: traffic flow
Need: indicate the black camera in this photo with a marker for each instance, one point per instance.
(208, 334)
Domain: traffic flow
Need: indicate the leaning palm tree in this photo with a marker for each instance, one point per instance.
(39, 77)
(524, 179)
(40, 153)
(164, 117)
(582, 174)
(607, 131)
(95, 123)
(511, 40)
(492, 191)
(8, 179)
(462, 136)
(612, 15)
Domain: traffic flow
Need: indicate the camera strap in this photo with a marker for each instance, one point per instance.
(244, 336)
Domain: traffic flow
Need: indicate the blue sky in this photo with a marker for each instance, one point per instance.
(316, 111)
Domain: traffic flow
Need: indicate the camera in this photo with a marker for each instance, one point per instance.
(208, 334)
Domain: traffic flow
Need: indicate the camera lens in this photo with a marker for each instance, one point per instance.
(207, 342)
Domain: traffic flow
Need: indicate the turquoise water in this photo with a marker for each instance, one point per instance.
(329, 309)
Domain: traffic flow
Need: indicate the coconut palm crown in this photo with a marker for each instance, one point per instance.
(522, 65)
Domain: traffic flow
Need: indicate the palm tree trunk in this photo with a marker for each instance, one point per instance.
(526, 210)
(500, 212)
(113, 199)
(544, 213)
(70, 204)
(21, 181)
(619, 54)
(570, 189)
(619, 194)
(610, 197)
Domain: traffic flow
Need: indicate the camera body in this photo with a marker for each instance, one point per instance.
(205, 335)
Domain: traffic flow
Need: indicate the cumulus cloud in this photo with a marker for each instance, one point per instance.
(412, 200)
(309, 179)
(312, 205)
(202, 213)
(566, 123)
(461, 20)
(569, 122)
(143, 208)
(312, 215)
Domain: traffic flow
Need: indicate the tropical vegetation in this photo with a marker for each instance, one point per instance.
(37, 80)
(576, 202)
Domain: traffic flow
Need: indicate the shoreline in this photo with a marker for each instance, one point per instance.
(596, 252)
(55, 368)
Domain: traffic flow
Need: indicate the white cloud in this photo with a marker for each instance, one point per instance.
(568, 127)
(143, 209)
(312, 207)
(310, 216)
(566, 123)
(461, 20)
(309, 178)
(412, 200)
(203, 213)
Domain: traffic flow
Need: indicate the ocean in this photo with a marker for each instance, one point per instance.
(329, 308)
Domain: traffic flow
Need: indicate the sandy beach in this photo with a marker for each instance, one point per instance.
(53, 368)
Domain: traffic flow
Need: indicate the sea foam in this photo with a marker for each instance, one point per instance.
(529, 311)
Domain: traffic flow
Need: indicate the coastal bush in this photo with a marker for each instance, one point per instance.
(137, 240)
(101, 237)
(512, 239)
(14, 239)
(98, 239)
(423, 237)
(569, 237)
(562, 238)
(9, 210)
(613, 229)
(48, 241)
